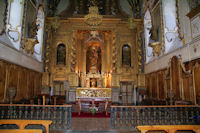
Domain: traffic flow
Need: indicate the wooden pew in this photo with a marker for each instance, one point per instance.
(23, 123)
(169, 128)
(20, 130)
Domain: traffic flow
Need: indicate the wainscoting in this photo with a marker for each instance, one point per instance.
(26, 81)
(185, 84)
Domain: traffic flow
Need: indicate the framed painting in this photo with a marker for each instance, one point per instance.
(3, 15)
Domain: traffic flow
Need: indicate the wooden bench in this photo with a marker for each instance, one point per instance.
(23, 123)
(20, 130)
(169, 128)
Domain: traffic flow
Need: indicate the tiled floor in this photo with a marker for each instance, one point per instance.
(90, 124)
(83, 132)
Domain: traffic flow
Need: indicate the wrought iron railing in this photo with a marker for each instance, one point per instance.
(128, 117)
(59, 114)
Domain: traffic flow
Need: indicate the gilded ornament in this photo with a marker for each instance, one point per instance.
(195, 48)
(156, 46)
(55, 23)
(93, 18)
(30, 43)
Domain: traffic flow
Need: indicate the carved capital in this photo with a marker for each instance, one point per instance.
(30, 43)
(156, 46)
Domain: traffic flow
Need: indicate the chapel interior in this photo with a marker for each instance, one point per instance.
(100, 65)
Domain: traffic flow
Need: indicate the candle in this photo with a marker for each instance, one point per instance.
(43, 97)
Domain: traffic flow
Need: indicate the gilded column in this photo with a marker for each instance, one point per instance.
(73, 53)
(114, 54)
(45, 76)
(139, 48)
(108, 51)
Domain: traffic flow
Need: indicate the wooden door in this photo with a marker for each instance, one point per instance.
(59, 88)
(126, 91)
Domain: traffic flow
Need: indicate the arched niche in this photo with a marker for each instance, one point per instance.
(40, 22)
(61, 54)
(126, 55)
(147, 27)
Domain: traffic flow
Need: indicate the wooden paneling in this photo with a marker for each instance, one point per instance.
(21, 94)
(161, 85)
(175, 77)
(155, 84)
(185, 85)
(147, 85)
(2, 80)
(186, 90)
(197, 82)
(26, 81)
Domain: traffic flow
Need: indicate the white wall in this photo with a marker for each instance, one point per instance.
(171, 39)
(187, 52)
(173, 45)
(12, 55)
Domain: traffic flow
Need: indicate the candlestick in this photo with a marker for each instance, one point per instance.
(43, 97)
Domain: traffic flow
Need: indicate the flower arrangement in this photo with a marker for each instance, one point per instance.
(93, 110)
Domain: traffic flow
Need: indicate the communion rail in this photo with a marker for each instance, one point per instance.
(128, 117)
(59, 114)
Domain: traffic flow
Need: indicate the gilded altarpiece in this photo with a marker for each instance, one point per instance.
(93, 57)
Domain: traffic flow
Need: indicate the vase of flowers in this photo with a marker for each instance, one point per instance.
(93, 110)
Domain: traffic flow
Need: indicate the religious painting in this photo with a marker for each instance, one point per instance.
(193, 3)
(93, 59)
(61, 54)
(156, 24)
(3, 13)
(30, 19)
(126, 55)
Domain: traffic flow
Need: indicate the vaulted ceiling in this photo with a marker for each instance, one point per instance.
(111, 8)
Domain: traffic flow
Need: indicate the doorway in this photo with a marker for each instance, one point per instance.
(126, 92)
(58, 88)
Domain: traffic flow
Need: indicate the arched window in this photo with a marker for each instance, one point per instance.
(61, 54)
(126, 55)
(40, 22)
